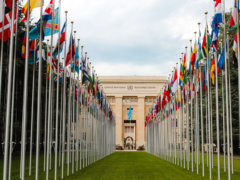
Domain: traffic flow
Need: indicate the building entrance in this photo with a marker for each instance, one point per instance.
(130, 134)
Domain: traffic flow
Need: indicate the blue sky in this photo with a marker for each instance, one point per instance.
(136, 37)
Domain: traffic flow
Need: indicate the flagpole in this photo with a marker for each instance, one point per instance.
(77, 115)
(57, 93)
(217, 114)
(24, 111)
(39, 97)
(230, 101)
(2, 43)
(13, 95)
(226, 83)
(64, 99)
(32, 110)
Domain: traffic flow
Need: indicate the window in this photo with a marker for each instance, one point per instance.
(124, 100)
(131, 100)
(136, 100)
(127, 100)
(146, 100)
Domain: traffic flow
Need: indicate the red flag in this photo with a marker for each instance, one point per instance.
(9, 3)
(7, 25)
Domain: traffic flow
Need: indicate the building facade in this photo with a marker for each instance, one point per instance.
(137, 93)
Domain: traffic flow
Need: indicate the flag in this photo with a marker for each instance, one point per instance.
(193, 58)
(47, 15)
(23, 50)
(234, 15)
(7, 25)
(33, 4)
(197, 88)
(175, 83)
(206, 40)
(9, 3)
(130, 113)
(190, 64)
(60, 44)
(71, 50)
(204, 79)
(85, 77)
(218, 14)
(49, 24)
(214, 36)
(221, 60)
(193, 91)
(235, 50)
(213, 71)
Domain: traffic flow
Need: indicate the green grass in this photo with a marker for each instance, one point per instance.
(129, 165)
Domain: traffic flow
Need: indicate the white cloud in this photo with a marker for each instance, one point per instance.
(137, 37)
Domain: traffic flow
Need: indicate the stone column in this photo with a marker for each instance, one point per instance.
(140, 122)
(119, 121)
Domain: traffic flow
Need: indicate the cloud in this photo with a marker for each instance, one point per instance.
(137, 37)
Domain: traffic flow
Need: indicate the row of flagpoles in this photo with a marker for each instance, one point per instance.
(180, 122)
(74, 122)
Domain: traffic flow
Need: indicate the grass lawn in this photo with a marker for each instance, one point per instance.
(128, 165)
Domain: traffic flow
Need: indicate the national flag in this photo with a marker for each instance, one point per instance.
(198, 77)
(130, 113)
(59, 45)
(47, 15)
(214, 37)
(33, 4)
(193, 58)
(190, 64)
(218, 13)
(23, 50)
(235, 50)
(204, 78)
(206, 40)
(233, 20)
(175, 83)
(213, 71)
(221, 60)
(71, 50)
(193, 93)
(85, 77)
(54, 24)
(7, 25)
(9, 3)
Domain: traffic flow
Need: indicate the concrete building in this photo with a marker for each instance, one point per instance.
(137, 92)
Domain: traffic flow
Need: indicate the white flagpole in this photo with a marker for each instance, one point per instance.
(57, 93)
(32, 111)
(226, 83)
(39, 97)
(1, 61)
(12, 105)
(217, 116)
(69, 105)
(64, 99)
(49, 134)
(230, 102)
(24, 111)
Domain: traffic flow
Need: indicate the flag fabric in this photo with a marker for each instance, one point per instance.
(213, 71)
(71, 50)
(206, 40)
(190, 64)
(175, 83)
(60, 44)
(23, 50)
(130, 113)
(182, 78)
(47, 15)
(9, 3)
(235, 50)
(33, 4)
(85, 77)
(218, 14)
(233, 20)
(214, 36)
(55, 23)
(204, 78)
(193, 58)
(221, 60)
(7, 25)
